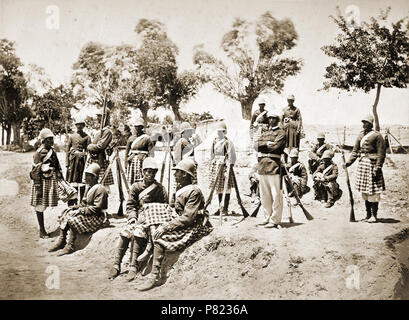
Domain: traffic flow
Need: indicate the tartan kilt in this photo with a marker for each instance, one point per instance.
(179, 239)
(65, 190)
(134, 171)
(45, 193)
(109, 180)
(365, 181)
(85, 223)
(214, 167)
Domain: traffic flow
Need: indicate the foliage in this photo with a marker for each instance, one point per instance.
(255, 60)
(196, 117)
(369, 56)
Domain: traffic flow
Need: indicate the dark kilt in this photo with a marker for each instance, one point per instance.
(181, 238)
(80, 223)
(109, 180)
(214, 167)
(134, 171)
(45, 193)
(365, 182)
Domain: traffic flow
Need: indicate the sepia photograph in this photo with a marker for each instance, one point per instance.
(204, 150)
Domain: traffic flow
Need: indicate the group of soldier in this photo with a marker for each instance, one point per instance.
(160, 219)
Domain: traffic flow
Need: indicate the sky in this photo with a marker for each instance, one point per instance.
(192, 22)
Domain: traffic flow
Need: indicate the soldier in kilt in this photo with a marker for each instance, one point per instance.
(87, 217)
(76, 154)
(99, 151)
(138, 148)
(46, 171)
(188, 226)
(292, 125)
(370, 151)
(316, 152)
(142, 192)
(326, 188)
(298, 176)
(222, 146)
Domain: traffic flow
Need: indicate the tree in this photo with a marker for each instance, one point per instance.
(256, 60)
(371, 55)
(157, 66)
(13, 91)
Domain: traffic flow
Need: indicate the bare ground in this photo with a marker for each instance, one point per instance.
(307, 260)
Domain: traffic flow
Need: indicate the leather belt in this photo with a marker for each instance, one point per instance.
(268, 155)
(139, 151)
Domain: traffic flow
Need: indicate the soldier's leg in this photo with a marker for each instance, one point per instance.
(154, 276)
(40, 218)
(138, 247)
(123, 244)
(374, 203)
(266, 197)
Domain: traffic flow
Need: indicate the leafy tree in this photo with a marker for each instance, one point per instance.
(157, 67)
(13, 91)
(372, 55)
(256, 60)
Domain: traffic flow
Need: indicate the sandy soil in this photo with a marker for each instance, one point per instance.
(306, 260)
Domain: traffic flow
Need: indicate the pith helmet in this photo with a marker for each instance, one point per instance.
(45, 133)
(293, 153)
(321, 135)
(79, 120)
(221, 126)
(262, 101)
(185, 126)
(93, 169)
(368, 118)
(187, 165)
(139, 122)
(327, 154)
(291, 97)
(149, 163)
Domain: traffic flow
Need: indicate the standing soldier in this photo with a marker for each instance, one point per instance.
(317, 152)
(138, 148)
(99, 150)
(142, 192)
(85, 218)
(298, 175)
(326, 188)
(221, 147)
(270, 146)
(292, 124)
(261, 106)
(370, 150)
(76, 154)
(45, 172)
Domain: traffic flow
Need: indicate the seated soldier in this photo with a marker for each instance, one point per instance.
(142, 192)
(254, 184)
(326, 188)
(298, 176)
(189, 225)
(316, 152)
(86, 217)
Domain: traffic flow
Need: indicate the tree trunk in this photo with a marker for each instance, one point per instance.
(176, 112)
(8, 129)
(375, 105)
(246, 109)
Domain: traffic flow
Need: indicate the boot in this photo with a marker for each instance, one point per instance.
(134, 268)
(122, 247)
(368, 209)
(154, 276)
(374, 206)
(40, 219)
(69, 247)
(61, 241)
(226, 204)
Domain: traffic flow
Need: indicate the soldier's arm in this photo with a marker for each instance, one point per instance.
(304, 175)
(164, 198)
(278, 142)
(380, 151)
(100, 202)
(189, 214)
(133, 204)
(232, 153)
(67, 151)
(319, 169)
(299, 118)
(333, 176)
(102, 143)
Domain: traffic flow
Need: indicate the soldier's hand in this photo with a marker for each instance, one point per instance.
(158, 233)
(132, 221)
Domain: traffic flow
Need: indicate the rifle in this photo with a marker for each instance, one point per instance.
(118, 177)
(287, 197)
(351, 197)
(104, 104)
(245, 213)
(288, 179)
